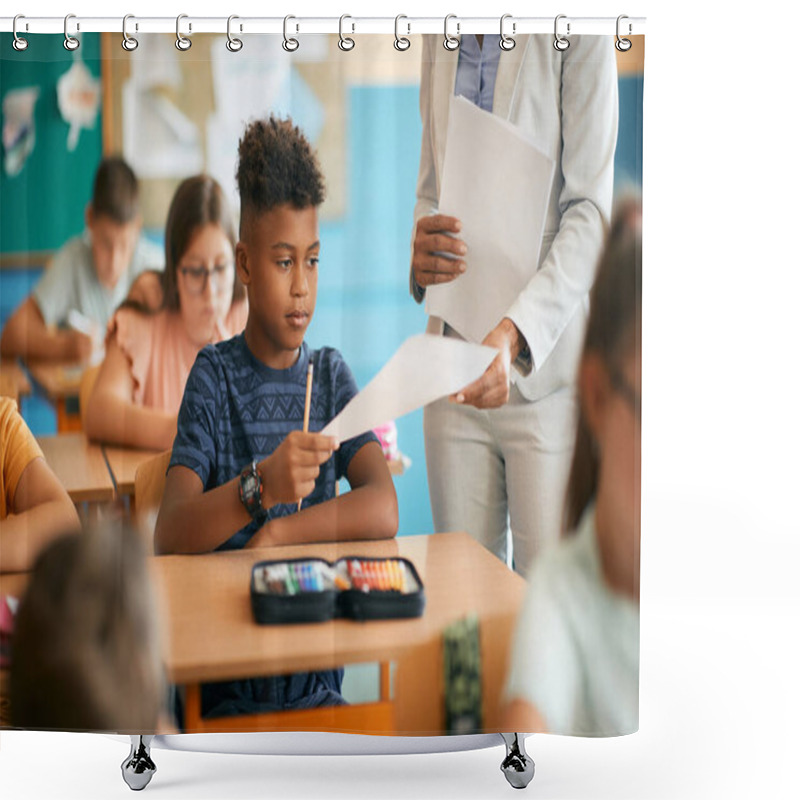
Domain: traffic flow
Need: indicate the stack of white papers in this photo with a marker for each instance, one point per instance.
(498, 184)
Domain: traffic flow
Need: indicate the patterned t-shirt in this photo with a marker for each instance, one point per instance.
(236, 410)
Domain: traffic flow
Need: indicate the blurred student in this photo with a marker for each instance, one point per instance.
(91, 275)
(240, 461)
(34, 507)
(138, 391)
(575, 661)
(85, 654)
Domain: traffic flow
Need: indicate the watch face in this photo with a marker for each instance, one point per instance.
(249, 484)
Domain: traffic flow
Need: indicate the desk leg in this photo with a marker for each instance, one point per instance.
(138, 768)
(192, 721)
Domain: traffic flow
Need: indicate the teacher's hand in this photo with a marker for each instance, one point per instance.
(430, 241)
(491, 390)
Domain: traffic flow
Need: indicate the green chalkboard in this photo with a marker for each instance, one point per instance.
(43, 205)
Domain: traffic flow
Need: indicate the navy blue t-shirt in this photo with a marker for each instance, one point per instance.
(236, 410)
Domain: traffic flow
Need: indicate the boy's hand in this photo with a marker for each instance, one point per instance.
(76, 346)
(289, 473)
(430, 240)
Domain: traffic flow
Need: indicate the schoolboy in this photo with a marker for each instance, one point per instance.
(92, 274)
(34, 506)
(240, 461)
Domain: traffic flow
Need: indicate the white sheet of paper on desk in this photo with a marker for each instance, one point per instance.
(423, 369)
(498, 184)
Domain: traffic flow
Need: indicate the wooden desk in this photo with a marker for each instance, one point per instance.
(212, 636)
(80, 466)
(60, 382)
(123, 463)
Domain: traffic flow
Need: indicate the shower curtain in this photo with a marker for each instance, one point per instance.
(532, 143)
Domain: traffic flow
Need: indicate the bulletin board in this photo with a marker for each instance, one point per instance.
(54, 184)
(194, 110)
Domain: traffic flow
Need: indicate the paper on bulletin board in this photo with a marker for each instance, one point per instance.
(490, 168)
(423, 369)
(19, 128)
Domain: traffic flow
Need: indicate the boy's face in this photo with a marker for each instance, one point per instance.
(113, 244)
(277, 262)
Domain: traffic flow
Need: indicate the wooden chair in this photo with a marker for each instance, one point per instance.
(148, 491)
(88, 380)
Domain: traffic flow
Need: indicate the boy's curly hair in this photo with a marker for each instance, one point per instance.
(277, 165)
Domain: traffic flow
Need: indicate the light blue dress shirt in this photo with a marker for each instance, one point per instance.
(477, 70)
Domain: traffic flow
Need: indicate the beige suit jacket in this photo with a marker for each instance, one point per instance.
(567, 103)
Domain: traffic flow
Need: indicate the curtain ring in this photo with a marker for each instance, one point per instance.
(289, 45)
(451, 42)
(345, 42)
(400, 42)
(560, 42)
(623, 45)
(233, 44)
(181, 42)
(70, 42)
(19, 44)
(507, 42)
(128, 43)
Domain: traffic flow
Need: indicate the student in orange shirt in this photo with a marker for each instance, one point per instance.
(34, 507)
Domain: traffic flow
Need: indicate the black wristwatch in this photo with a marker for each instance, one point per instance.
(250, 490)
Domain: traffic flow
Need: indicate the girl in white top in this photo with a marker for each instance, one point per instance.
(575, 663)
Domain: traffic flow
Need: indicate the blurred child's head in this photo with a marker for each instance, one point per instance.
(85, 653)
(281, 187)
(113, 220)
(199, 276)
(607, 458)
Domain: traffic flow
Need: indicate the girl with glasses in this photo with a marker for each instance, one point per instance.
(149, 353)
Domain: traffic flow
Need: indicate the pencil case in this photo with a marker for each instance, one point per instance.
(315, 590)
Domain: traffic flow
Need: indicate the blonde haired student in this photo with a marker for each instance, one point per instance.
(575, 660)
(91, 274)
(86, 651)
(34, 507)
(241, 460)
(138, 391)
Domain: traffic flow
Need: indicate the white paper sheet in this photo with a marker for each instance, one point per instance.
(498, 184)
(423, 369)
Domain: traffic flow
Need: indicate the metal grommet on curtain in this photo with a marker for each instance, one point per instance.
(507, 42)
(289, 44)
(400, 42)
(560, 42)
(233, 44)
(451, 42)
(181, 42)
(345, 42)
(18, 43)
(70, 42)
(623, 45)
(128, 43)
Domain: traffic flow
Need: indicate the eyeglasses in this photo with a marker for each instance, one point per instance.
(620, 385)
(197, 277)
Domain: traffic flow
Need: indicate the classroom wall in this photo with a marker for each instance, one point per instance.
(44, 204)
(363, 283)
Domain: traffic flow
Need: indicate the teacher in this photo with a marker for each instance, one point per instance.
(498, 452)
